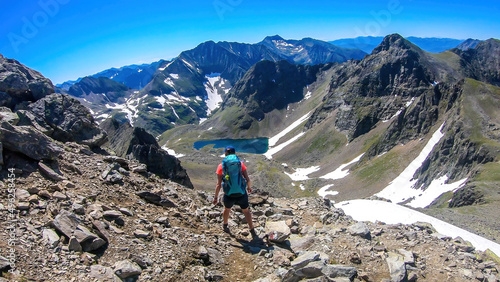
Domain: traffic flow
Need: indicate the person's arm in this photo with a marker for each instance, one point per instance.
(217, 189)
(249, 184)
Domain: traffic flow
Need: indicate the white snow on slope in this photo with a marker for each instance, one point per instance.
(390, 213)
(301, 174)
(174, 76)
(273, 140)
(402, 188)
(269, 154)
(323, 191)
(172, 152)
(214, 99)
(340, 172)
(130, 108)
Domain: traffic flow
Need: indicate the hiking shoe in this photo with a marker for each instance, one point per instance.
(225, 228)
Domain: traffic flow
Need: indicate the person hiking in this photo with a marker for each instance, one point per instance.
(232, 176)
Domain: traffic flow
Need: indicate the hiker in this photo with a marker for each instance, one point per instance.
(232, 176)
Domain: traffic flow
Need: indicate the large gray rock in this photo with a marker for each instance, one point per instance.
(70, 225)
(397, 267)
(278, 231)
(305, 259)
(103, 273)
(66, 223)
(50, 237)
(69, 120)
(127, 269)
(156, 199)
(360, 229)
(50, 173)
(28, 141)
(21, 84)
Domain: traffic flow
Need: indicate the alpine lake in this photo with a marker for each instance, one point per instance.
(250, 146)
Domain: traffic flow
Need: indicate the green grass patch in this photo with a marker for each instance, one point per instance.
(377, 168)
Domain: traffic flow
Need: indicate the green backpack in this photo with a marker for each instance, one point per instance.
(234, 184)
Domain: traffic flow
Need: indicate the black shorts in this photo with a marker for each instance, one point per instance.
(240, 201)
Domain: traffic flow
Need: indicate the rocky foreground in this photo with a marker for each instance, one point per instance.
(105, 218)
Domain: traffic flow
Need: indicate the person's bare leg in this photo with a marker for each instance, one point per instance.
(248, 217)
(225, 215)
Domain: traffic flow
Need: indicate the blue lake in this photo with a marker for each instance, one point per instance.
(252, 146)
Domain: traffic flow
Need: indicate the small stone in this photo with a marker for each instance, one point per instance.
(141, 233)
(59, 196)
(126, 211)
(111, 214)
(23, 206)
(69, 184)
(45, 194)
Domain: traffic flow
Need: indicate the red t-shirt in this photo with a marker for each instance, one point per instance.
(219, 168)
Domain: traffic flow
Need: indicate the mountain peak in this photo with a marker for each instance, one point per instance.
(273, 37)
(393, 40)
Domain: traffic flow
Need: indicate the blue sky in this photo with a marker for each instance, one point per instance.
(67, 39)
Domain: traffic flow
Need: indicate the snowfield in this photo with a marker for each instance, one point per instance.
(370, 210)
(403, 187)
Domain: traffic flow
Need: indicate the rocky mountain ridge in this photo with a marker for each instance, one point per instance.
(190, 87)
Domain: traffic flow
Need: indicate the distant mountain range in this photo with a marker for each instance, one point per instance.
(190, 87)
(368, 43)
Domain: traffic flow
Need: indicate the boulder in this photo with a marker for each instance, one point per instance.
(305, 259)
(19, 83)
(50, 237)
(360, 229)
(103, 273)
(51, 174)
(277, 231)
(397, 267)
(69, 119)
(28, 141)
(127, 269)
(156, 199)
(66, 223)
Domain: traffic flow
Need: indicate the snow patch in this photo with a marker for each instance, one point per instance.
(172, 152)
(174, 76)
(308, 95)
(301, 174)
(402, 188)
(323, 191)
(273, 140)
(390, 213)
(340, 173)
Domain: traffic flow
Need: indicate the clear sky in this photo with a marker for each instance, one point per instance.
(67, 39)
